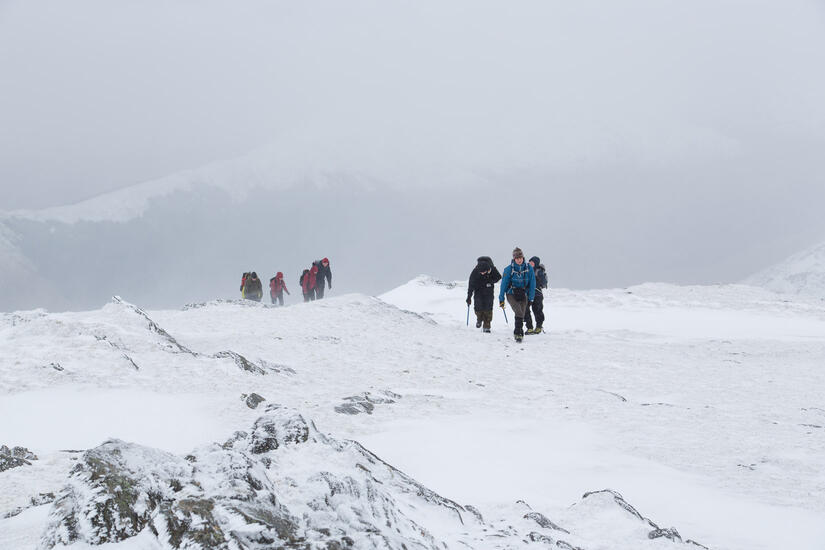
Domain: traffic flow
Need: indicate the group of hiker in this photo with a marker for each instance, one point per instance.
(312, 281)
(522, 284)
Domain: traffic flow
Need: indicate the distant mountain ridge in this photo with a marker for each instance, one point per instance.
(803, 273)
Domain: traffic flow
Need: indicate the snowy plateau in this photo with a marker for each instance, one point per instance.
(653, 417)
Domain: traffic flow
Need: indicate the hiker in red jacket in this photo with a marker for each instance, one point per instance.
(277, 286)
(309, 281)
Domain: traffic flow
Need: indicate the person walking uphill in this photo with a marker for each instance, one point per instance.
(243, 283)
(252, 288)
(482, 283)
(519, 285)
(308, 283)
(324, 272)
(277, 286)
(538, 301)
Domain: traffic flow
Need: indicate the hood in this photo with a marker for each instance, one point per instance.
(279, 275)
(536, 261)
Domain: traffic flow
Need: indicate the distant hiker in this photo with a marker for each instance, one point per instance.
(324, 272)
(253, 289)
(308, 280)
(519, 285)
(538, 301)
(243, 283)
(277, 287)
(483, 279)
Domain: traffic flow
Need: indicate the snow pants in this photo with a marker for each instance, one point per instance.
(538, 311)
(485, 317)
(319, 291)
(519, 310)
(309, 295)
(278, 297)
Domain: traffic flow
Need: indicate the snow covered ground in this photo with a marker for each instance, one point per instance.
(703, 406)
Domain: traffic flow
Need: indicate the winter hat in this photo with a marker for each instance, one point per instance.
(536, 261)
(483, 266)
(279, 275)
(254, 275)
(517, 253)
(325, 260)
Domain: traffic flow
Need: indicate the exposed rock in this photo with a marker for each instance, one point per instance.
(365, 402)
(171, 342)
(242, 362)
(229, 497)
(669, 533)
(253, 400)
(545, 522)
(15, 457)
(281, 484)
(619, 499)
(538, 537)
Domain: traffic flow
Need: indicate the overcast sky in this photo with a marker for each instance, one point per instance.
(724, 96)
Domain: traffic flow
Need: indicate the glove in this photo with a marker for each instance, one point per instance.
(501, 304)
(469, 301)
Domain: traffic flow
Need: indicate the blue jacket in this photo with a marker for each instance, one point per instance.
(518, 276)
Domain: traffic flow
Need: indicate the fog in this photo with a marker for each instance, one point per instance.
(625, 142)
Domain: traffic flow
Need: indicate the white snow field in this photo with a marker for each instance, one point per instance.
(703, 407)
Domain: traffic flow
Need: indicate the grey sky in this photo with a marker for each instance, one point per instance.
(98, 95)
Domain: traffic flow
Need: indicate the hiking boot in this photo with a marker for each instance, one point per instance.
(519, 338)
(530, 331)
(538, 330)
(487, 330)
(478, 324)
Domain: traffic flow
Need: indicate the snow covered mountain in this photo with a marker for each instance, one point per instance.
(802, 273)
(649, 417)
(188, 237)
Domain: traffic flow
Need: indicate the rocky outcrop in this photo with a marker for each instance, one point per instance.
(366, 402)
(15, 457)
(282, 484)
(253, 400)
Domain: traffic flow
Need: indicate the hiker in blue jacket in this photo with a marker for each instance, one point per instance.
(518, 282)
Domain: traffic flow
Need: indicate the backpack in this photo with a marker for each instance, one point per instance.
(519, 280)
(541, 277)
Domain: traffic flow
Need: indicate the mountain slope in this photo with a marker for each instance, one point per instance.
(802, 273)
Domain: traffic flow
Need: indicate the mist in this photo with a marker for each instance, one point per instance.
(623, 143)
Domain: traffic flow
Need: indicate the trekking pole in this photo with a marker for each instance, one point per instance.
(504, 311)
(468, 315)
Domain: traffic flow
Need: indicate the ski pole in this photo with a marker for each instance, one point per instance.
(504, 311)
(468, 315)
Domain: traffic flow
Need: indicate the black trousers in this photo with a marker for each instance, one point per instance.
(319, 291)
(538, 311)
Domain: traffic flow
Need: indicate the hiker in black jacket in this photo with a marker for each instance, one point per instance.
(538, 301)
(324, 274)
(482, 283)
(252, 288)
